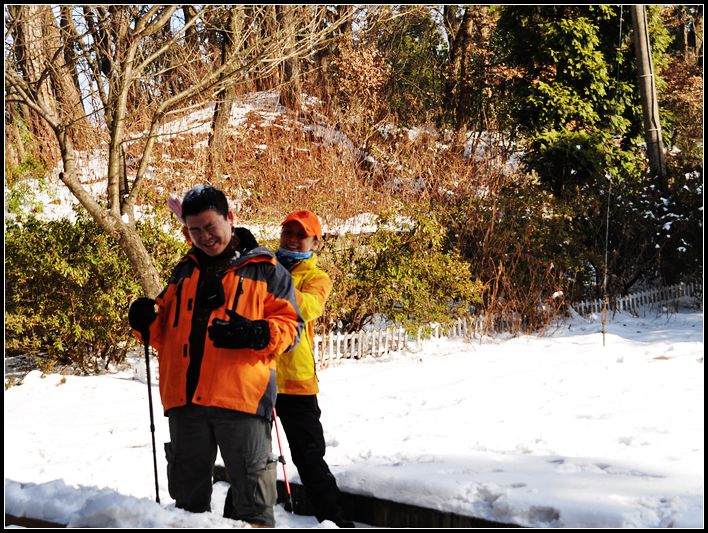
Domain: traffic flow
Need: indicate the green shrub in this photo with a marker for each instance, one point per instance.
(403, 272)
(21, 197)
(68, 287)
(31, 165)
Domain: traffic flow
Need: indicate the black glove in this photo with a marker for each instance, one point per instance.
(141, 314)
(239, 332)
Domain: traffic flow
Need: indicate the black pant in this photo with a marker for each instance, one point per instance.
(245, 444)
(300, 416)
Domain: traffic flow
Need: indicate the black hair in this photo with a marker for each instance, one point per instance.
(202, 198)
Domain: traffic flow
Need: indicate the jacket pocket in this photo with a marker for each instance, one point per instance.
(265, 489)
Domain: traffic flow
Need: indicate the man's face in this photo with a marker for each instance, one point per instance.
(209, 231)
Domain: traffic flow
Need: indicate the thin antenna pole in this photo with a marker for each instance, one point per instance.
(605, 297)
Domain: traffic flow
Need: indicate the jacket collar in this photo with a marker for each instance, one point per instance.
(242, 249)
(306, 264)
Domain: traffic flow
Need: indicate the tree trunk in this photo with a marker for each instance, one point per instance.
(224, 101)
(191, 36)
(451, 25)
(31, 61)
(268, 27)
(69, 103)
(125, 234)
(291, 87)
(695, 35)
(456, 84)
(102, 65)
(67, 36)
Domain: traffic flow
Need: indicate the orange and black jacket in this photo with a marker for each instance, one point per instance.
(192, 369)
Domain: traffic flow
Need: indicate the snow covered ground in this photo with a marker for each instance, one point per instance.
(546, 431)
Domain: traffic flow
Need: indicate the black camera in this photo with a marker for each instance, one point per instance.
(212, 294)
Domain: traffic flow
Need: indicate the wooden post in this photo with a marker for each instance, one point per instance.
(647, 89)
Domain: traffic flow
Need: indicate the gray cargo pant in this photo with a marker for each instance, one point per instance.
(244, 441)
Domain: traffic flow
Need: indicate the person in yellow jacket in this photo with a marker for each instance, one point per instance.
(227, 311)
(296, 376)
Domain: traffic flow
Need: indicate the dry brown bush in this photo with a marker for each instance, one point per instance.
(271, 167)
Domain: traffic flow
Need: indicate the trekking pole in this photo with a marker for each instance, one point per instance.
(281, 460)
(146, 339)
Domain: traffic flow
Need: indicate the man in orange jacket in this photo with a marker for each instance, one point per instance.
(228, 310)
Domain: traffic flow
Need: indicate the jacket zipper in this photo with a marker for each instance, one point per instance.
(179, 302)
(239, 292)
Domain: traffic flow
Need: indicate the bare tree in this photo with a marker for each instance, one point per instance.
(115, 62)
(27, 88)
(121, 49)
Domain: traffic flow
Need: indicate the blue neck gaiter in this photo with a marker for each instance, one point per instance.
(288, 258)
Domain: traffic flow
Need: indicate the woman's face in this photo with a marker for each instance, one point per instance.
(294, 238)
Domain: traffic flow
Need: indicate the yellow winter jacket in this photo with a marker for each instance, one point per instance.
(296, 368)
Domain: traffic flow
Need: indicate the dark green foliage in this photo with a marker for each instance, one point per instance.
(68, 287)
(680, 237)
(566, 79)
(577, 67)
(577, 102)
(567, 161)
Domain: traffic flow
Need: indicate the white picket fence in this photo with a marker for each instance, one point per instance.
(380, 341)
(632, 303)
(377, 342)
